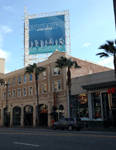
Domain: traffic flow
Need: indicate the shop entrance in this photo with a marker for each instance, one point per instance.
(43, 115)
(105, 106)
(28, 115)
(6, 116)
(16, 115)
(114, 117)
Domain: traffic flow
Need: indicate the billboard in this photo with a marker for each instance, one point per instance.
(46, 34)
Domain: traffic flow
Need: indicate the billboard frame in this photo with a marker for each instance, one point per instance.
(29, 59)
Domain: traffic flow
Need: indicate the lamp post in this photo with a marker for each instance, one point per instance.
(7, 123)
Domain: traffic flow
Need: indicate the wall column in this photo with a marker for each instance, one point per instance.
(2, 116)
(49, 116)
(11, 116)
(22, 116)
(90, 106)
(34, 115)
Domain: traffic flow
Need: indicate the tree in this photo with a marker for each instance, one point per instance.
(1, 81)
(110, 50)
(65, 62)
(36, 70)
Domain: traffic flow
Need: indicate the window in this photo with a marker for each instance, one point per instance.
(13, 81)
(66, 119)
(56, 71)
(19, 80)
(44, 88)
(4, 95)
(24, 79)
(44, 74)
(30, 77)
(79, 106)
(72, 119)
(19, 92)
(9, 83)
(57, 86)
(8, 94)
(30, 91)
(37, 77)
(13, 93)
(24, 91)
(96, 105)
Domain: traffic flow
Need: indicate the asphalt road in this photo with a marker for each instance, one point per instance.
(48, 139)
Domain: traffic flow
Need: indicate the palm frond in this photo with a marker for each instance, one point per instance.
(76, 65)
(103, 54)
(40, 70)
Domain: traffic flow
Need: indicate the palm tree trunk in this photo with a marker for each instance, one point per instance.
(115, 64)
(69, 88)
(37, 114)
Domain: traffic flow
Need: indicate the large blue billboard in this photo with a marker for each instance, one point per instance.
(46, 34)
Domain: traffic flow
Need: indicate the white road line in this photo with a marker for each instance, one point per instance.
(26, 144)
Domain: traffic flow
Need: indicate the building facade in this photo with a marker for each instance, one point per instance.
(21, 97)
(94, 98)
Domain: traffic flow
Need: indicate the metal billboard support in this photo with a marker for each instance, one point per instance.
(29, 59)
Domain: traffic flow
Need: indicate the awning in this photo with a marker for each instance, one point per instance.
(99, 85)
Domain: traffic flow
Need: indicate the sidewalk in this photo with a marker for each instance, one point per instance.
(112, 129)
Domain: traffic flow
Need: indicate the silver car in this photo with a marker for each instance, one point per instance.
(68, 123)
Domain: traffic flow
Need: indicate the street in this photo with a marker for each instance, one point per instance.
(48, 139)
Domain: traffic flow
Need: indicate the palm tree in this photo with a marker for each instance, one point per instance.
(1, 81)
(36, 70)
(65, 62)
(110, 50)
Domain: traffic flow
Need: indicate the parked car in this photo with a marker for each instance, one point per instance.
(68, 123)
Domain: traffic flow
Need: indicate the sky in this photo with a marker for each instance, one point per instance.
(91, 24)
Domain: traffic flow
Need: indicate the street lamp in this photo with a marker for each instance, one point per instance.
(7, 123)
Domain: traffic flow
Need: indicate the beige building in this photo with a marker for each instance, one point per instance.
(22, 100)
(2, 65)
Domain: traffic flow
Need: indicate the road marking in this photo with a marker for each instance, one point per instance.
(26, 144)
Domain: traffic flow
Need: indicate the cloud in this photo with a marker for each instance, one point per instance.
(8, 8)
(106, 61)
(7, 71)
(5, 29)
(86, 44)
(4, 54)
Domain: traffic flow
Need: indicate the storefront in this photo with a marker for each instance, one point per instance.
(95, 103)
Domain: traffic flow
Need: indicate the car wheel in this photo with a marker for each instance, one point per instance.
(70, 128)
(54, 127)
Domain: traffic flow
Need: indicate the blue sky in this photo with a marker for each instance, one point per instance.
(91, 24)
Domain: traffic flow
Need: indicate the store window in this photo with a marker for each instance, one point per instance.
(44, 88)
(30, 77)
(57, 86)
(79, 106)
(30, 90)
(19, 92)
(24, 79)
(13, 81)
(96, 106)
(56, 71)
